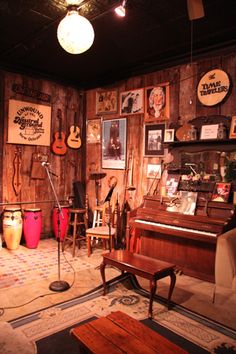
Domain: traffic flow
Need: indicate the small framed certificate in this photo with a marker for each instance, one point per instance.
(209, 131)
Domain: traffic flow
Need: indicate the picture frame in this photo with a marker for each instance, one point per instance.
(172, 183)
(132, 102)
(221, 192)
(169, 135)
(209, 131)
(106, 101)
(232, 132)
(153, 139)
(154, 171)
(157, 102)
(114, 144)
(93, 131)
(188, 202)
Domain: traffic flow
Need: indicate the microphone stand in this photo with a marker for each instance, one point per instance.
(58, 285)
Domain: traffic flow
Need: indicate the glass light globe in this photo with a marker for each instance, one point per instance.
(75, 33)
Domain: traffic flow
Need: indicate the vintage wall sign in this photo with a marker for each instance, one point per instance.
(29, 123)
(213, 87)
(26, 91)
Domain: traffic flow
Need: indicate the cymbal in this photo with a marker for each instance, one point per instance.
(97, 175)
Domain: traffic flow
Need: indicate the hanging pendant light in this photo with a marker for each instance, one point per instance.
(75, 33)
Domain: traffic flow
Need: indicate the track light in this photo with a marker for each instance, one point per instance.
(75, 33)
(120, 10)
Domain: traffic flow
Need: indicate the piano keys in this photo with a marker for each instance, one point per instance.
(189, 241)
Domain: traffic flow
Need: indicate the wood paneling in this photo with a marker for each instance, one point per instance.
(66, 169)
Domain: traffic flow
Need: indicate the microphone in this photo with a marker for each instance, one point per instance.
(45, 163)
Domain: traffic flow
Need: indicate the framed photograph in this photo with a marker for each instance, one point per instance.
(93, 131)
(209, 131)
(221, 192)
(114, 143)
(169, 135)
(132, 102)
(188, 202)
(106, 102)
(157, 102)
(154, 171)
(172, 183)
(154, 138)
(232, 133)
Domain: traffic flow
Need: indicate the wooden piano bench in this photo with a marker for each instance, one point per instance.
(118, 333)
(145, 267)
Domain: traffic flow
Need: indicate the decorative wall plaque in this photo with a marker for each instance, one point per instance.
(213, 87)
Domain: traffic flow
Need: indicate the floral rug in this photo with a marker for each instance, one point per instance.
(122, 296)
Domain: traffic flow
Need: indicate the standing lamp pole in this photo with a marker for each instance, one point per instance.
(58, 285)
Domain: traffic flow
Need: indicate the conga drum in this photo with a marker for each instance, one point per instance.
(32, 226)
(63, 219)
(12, 227)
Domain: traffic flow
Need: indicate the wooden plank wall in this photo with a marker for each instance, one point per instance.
(77, 165)
(184, 106)
(67, 168)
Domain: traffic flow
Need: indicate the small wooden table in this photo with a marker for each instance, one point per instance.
(119, 333)
(146, 267)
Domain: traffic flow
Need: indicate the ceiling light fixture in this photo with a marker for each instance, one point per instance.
(120, 10)
(75, 33)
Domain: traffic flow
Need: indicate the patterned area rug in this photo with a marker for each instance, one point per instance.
(23, 266)
(123, 297)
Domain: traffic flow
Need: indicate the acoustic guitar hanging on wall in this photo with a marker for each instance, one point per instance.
(73, 140)
(59, 146)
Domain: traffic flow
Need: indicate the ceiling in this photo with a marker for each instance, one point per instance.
(155, 34)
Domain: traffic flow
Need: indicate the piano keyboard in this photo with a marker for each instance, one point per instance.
(211, 234)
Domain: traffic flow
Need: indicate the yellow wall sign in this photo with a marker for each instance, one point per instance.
(213, 87)
(29, 123)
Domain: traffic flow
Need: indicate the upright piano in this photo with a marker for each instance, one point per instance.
(189, 241)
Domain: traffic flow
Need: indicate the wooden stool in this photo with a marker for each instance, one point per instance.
(78, 219)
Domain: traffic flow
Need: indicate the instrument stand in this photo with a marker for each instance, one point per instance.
(108, 199)
(58, 285)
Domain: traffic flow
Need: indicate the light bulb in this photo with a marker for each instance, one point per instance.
(75, 33)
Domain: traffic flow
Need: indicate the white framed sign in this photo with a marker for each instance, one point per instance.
(29, 123)
(209, 131)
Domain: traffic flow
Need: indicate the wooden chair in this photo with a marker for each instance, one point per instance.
(104, 232)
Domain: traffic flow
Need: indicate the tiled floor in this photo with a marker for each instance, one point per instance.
(191, 293)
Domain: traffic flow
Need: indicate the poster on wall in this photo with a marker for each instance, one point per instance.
(114, 143)
(29, 123)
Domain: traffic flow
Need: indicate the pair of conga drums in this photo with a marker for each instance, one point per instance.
(14, 223)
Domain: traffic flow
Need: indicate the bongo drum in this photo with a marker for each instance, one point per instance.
(32, 226)
(63, 218)
(12, 227)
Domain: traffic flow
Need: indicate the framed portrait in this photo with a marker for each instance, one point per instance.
(209, 131)
(154, 171)
(169, 135)
(114, 143)
(221, 192)
(132, 102)
(106, 102)
(232, 133)
(93, 135)
(154, 138)
(157, 102)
